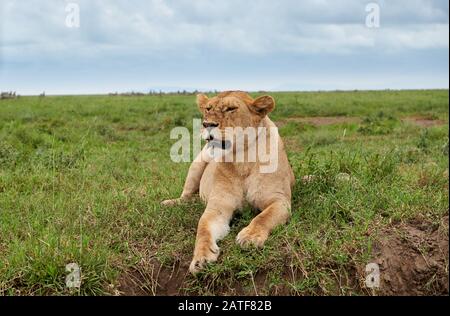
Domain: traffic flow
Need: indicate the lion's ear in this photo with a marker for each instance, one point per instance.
(202, 100)
(263, 105)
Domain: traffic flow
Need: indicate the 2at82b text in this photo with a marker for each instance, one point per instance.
(246, 305)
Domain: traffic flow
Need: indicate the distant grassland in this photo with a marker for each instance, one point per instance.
(81, 179)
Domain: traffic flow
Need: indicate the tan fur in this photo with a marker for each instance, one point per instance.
(226, 186)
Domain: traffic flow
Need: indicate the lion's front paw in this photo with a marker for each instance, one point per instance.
(203, 255)
(252, 235)
(172, 202)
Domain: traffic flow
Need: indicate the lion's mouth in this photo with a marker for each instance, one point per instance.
(222, 144)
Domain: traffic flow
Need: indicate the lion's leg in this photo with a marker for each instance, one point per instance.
(256, 233)
(213, 226)
(192, 183)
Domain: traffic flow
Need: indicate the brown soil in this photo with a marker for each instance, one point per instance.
(413, 259)
(153, 279)
(320, 120)
(165, 281)
(332, 120)
(423, 121)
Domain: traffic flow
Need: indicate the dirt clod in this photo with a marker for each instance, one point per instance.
(413, 259)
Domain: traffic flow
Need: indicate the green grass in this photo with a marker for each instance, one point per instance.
(81, 178)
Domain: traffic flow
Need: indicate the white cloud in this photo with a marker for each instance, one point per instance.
(250, 27)
(304, 44)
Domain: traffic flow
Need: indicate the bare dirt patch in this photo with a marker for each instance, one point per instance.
(320, 120)
(423, 121)
(413, 259)
(153, 279)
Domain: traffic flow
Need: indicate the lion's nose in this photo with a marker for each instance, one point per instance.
(209, 124)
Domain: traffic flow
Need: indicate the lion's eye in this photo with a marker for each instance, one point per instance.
(230, 109)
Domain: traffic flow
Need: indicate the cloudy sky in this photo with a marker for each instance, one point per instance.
(123, 45)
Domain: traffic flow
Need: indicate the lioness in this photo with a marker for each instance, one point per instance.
(226, 185)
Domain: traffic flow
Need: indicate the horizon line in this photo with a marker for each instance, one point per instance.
(185, 91)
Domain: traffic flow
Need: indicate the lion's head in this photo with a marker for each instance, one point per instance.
(232, 109)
